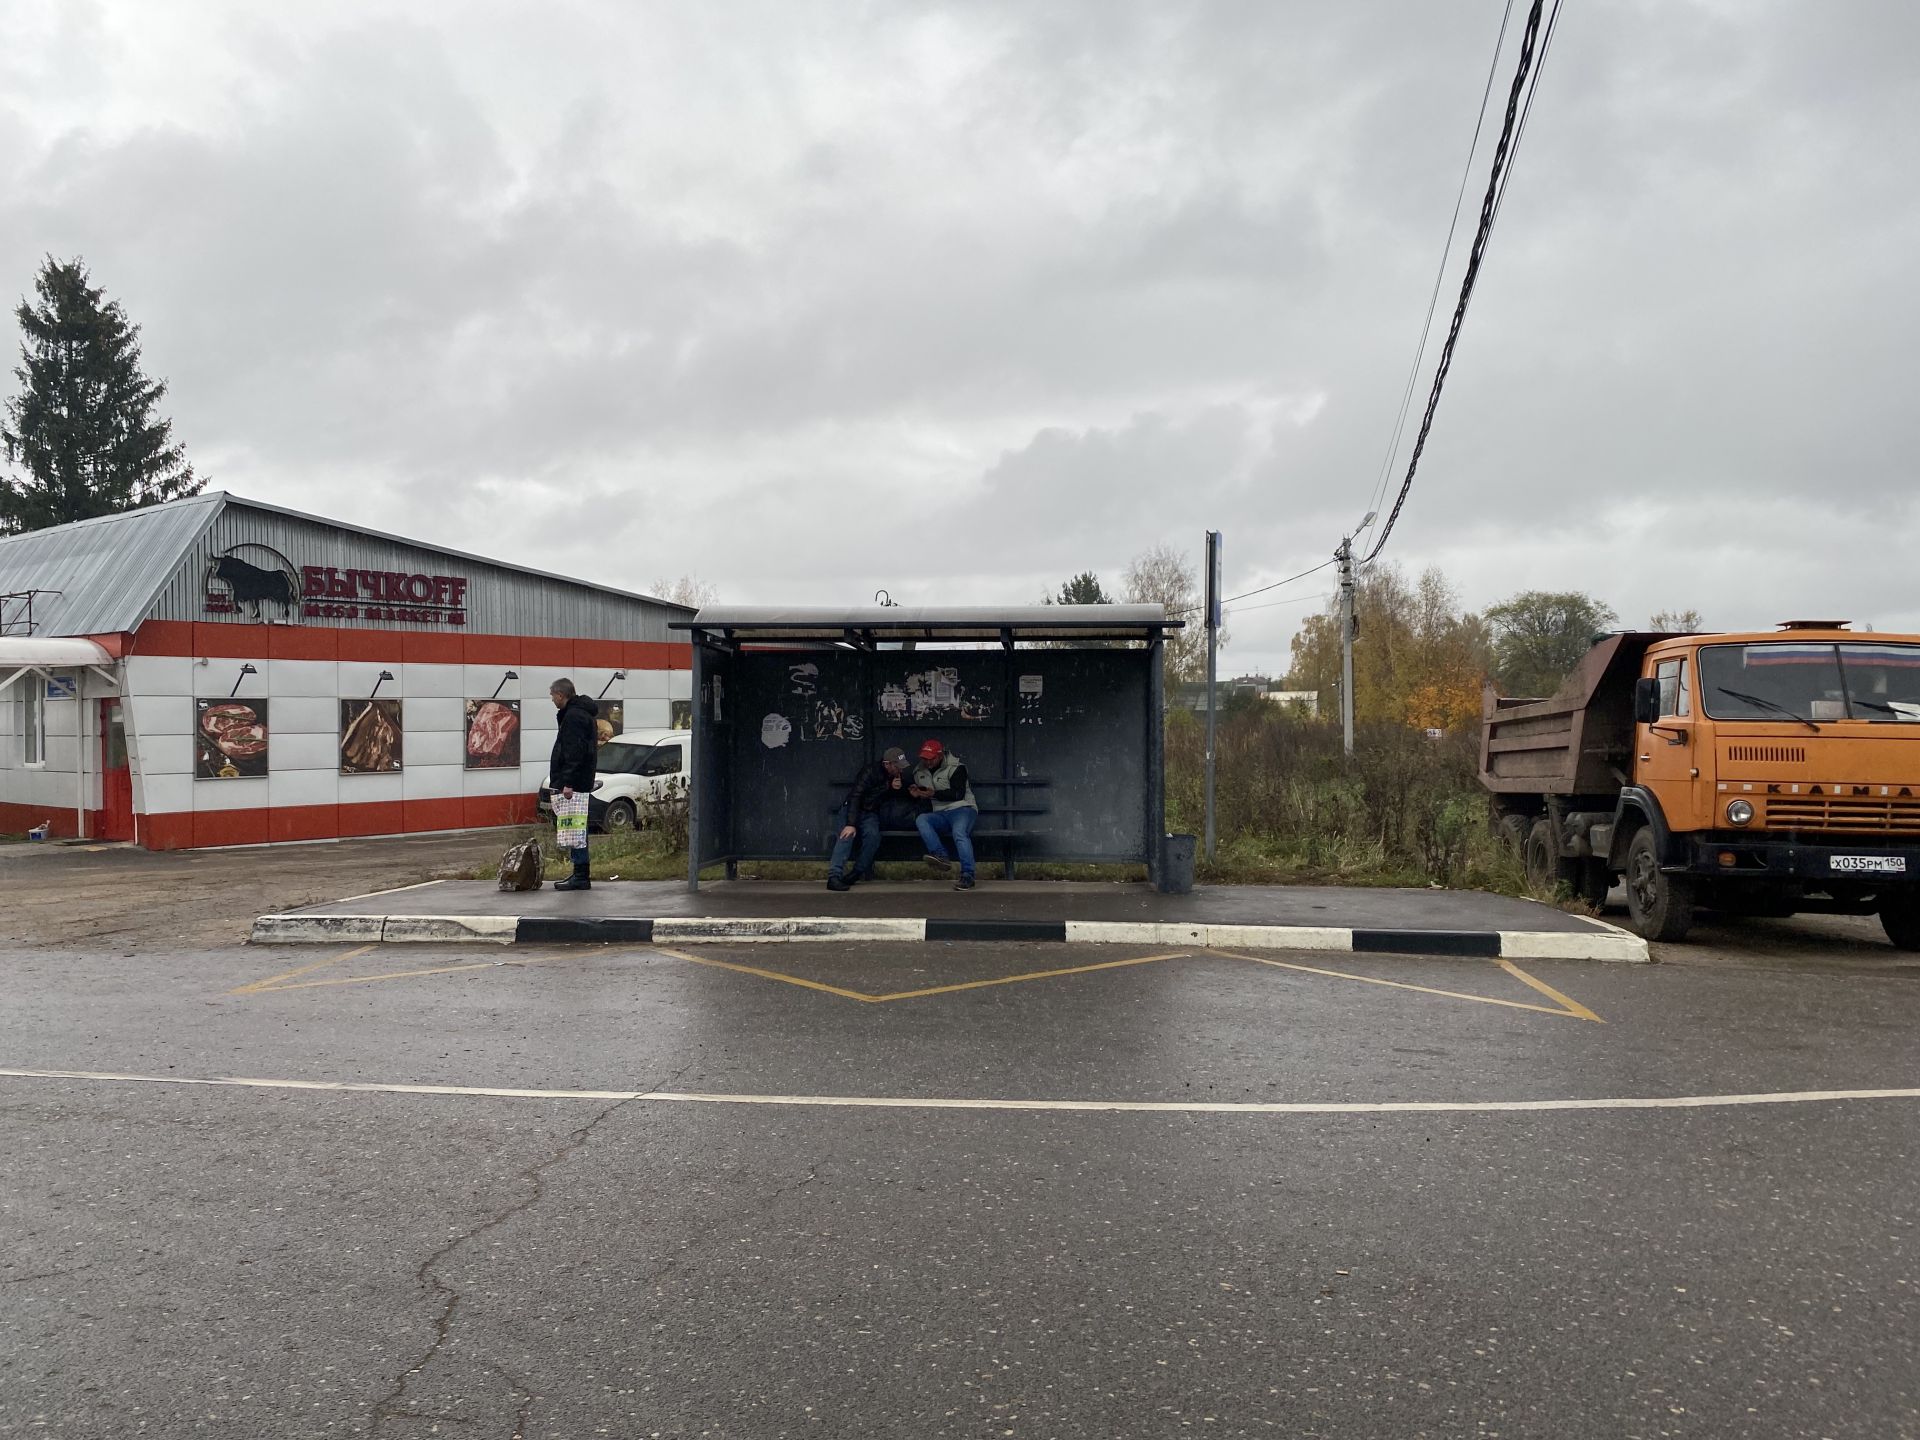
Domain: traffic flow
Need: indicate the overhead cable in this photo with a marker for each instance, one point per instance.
(1262, 589)
(1440, 274)
(1502, 152)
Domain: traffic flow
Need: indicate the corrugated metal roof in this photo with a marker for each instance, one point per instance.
(933, 622)
(106, 575)
(96, 577)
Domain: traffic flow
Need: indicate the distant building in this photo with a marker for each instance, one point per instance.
(1305, 702)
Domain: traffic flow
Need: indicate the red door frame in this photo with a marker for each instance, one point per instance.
(116, 785)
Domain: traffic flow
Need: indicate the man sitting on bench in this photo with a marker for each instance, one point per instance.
(879, 800)
(942, 779)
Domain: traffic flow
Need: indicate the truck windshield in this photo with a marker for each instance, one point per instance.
(1812, 681)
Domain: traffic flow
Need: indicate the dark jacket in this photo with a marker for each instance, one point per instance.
(873, 793)
(576, 748)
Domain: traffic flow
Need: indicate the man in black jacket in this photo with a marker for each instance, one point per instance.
(879, 795)
(572, 772)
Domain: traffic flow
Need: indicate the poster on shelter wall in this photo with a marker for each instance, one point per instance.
(229, 739)
(370, 737)
(493, 735)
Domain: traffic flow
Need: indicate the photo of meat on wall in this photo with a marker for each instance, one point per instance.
(493, 734)
(229, 739)
(369, 737)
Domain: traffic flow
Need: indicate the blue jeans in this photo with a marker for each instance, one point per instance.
(869, 838)
(957, 823)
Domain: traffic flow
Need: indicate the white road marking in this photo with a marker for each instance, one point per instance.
(908, 1102)
(396, 890)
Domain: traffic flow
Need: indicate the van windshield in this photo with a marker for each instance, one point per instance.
(1812, 681)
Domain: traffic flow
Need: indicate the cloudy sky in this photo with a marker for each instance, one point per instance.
(812, 298)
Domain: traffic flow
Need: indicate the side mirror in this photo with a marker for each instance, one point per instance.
(1646, 701)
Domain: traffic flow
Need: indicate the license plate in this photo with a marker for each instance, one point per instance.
(1868, 864)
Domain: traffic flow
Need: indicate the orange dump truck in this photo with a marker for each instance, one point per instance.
(1757, 774)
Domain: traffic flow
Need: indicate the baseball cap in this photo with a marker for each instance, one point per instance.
(932, 750)
(894, 756)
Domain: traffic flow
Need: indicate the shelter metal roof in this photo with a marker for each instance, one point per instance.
(95, 577)
(929, 622)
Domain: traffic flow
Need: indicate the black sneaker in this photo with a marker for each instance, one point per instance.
(837, 885)
(939, 863)
(965, 882)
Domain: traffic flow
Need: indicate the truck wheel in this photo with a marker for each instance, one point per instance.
(1512, 830)
(620, 817)
(1660, 905)
(1900, 918)
(1543, 863)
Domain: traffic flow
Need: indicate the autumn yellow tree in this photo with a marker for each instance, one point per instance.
(1418, 659)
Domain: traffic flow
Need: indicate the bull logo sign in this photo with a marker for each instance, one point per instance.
(253, 575)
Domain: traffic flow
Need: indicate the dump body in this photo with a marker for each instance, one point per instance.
(1765, 773)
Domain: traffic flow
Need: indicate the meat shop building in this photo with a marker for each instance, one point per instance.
(221, 672)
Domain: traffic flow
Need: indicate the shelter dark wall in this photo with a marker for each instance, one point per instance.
(798, 724)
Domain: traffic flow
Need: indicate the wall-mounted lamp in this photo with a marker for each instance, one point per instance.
(510, 675)
(885, 600)
(245, 670)
(617, 675)
(385, 675)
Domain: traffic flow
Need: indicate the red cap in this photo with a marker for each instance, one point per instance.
(932, 750)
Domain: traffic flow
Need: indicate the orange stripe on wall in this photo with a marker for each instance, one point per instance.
(295, 642)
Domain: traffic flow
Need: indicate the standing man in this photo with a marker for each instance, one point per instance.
(879, 794)
(942, 779)
(572, 774)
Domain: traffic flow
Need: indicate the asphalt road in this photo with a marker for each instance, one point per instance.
(247, 1261)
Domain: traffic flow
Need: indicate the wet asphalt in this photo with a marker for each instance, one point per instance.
(183, 1260)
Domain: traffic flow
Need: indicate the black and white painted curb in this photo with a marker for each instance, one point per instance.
(1601, 942)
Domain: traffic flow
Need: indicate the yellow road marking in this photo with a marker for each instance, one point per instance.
(254, 987)
(1030, 975)
(1574, 1007)
(1402, 985)
(765, 974)
(867, 999)
(270, 986)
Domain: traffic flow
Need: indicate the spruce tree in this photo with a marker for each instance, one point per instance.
(83, 428)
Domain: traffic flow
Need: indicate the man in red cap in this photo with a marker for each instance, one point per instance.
(942, 780)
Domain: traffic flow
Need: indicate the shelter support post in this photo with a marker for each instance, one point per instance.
(1009, 704)
(697, 762)
(1156, 759)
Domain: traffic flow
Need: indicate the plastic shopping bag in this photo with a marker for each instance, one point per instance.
(570, 822)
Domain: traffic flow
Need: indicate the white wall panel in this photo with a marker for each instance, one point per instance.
(166, 755)
(443, 681)
(304, 787)
(160, 675)
(433, 782)
(358, 677)
(434, 747)
(646, 684)
(303, 677)
(500, 782)
(363, 789)
(649, 714)
(478, 681)
(216, 679)
(430, 715)
(303, 752)
(680, 685)
(165, 794)
(245, 794)
(155, 715)
(304, 715)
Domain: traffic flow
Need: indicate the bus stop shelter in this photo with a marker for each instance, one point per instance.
(1055, 709)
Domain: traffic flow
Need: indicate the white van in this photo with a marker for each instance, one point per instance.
(634, 766)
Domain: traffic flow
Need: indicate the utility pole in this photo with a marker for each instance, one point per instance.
(1345, 556)
(1213, 651)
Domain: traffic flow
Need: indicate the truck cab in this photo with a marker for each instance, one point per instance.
(1758, 773)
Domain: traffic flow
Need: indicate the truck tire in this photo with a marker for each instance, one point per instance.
(1512, 830)
(1900, 918)
(1659, 905)
(1542, 857)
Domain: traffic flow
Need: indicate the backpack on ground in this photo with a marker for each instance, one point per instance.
(520, 867)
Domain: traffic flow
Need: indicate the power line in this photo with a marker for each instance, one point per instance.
(1262, 589)
(1290, 600)
(1495, 184)
(1440, 274)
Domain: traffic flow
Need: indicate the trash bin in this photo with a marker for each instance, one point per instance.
(1176, 864)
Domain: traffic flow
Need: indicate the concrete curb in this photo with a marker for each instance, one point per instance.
(1602, 942)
